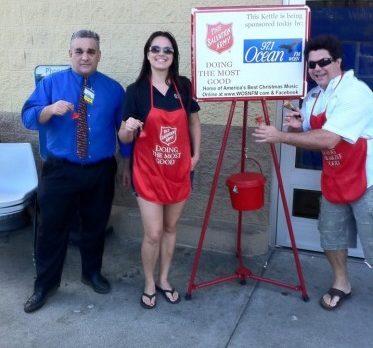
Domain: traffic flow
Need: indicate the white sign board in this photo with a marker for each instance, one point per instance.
(242, 53)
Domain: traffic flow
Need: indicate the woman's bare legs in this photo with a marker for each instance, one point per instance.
(159, 223)
(171, 215)
(152, 220)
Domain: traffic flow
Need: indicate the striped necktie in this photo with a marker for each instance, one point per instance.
(82, 126)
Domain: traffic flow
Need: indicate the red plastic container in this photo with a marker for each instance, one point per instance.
(246, 190)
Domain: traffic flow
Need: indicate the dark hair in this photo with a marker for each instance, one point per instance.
(82, 34)
(173, 71)
(326, 42)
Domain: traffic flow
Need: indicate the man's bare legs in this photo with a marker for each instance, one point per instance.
(338, 263)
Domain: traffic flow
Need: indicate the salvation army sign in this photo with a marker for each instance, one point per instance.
(219, 37)
(241, 53)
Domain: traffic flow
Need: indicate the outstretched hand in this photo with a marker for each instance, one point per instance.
(293, 119)
(267, 134)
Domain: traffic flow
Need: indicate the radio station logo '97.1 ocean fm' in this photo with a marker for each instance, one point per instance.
(272, 51)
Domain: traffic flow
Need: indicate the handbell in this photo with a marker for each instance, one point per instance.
(288, 105)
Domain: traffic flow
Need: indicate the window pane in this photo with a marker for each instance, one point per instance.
(306, 203)
(307, 159)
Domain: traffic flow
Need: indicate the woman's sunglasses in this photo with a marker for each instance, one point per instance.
(158, 49)
(321, 63)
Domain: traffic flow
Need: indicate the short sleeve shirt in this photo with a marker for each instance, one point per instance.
(137, 103)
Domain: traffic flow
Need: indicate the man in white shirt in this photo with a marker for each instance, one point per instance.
(337, 118)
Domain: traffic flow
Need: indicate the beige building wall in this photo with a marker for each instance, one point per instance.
(37, 32)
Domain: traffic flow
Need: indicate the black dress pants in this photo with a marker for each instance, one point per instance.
(63, 185)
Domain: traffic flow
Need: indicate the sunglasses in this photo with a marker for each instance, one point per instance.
(157, 49)
(321, 63)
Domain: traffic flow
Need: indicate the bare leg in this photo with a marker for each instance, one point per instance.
(171, 216)
(338, 262)
(152, 219)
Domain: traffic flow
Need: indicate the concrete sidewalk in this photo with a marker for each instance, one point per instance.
(223, 315)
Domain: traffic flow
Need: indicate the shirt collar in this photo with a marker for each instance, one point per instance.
(79, 78)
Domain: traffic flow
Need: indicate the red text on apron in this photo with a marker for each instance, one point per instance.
(162, 156)
(343, 178)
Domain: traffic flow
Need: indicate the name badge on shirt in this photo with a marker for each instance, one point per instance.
(89, 95)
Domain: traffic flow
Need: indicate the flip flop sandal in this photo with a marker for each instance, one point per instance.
(150, 297)
(333, 292)
(164, 292)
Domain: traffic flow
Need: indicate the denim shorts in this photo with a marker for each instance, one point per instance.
(337, 222)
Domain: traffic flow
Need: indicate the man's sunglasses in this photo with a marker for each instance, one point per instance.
(321, 63)
(157, 49)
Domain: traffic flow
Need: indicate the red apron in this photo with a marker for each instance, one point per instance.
(343, 178)
(162, 156)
